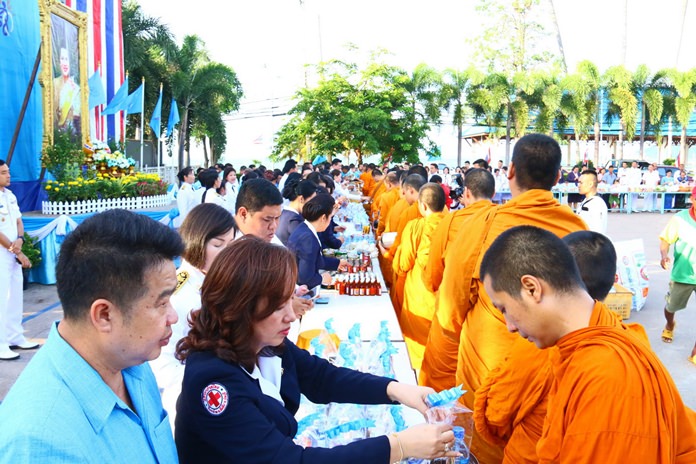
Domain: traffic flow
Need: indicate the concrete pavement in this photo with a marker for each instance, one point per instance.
(42, 308)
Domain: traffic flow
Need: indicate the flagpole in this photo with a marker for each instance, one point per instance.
(125, 126)
(142, 125)
(159, 136)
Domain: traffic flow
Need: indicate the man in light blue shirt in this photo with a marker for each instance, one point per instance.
(88, 395)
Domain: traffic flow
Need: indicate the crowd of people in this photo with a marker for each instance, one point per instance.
(194, 364)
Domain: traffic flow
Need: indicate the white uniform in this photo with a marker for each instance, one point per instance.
(593, 210)
(186, 200)
(651, 179)
(11, 296)
(168, 370)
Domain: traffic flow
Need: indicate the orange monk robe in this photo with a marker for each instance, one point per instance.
(386, 202)
(613, 401)
(377, 191)
(510, 405)
(385, 262)
(419, 303)
(368, 182)
(465, 315)
(396, 292)
(445, 233)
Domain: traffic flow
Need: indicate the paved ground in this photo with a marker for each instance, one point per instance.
(42, 307)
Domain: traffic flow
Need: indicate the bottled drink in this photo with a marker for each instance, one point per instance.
(460, 446)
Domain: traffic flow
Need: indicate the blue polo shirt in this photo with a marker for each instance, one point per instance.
(60, 410)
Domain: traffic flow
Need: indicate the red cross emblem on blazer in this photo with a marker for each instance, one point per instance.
(215, 399)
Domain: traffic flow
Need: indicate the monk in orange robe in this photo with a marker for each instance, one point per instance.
(479, 188)
(610, 399)
(410, 188)
(465, 318)
(410, 259)
(386, 201)
(511, 404)
(377, 190)
(367, 179)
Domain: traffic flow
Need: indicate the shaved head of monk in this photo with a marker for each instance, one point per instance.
(536, 163)
(532, 278)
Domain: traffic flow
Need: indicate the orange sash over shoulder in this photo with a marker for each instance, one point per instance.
(449, 229)
(510, 405)
(385, 203)
(465, 315)
(612, 400)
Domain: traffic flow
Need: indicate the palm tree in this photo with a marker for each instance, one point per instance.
(146, 45)
(622, 102)
(684, 103)
(201, 85)
(488, 96)
(647, 88)
(580, 103)
(454, 98)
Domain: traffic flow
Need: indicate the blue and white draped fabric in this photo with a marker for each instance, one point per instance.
(51, 231)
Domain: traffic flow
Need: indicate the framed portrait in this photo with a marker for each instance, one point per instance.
(64, 71)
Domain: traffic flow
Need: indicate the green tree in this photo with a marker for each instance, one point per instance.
(684, 83)
(487, 96)
(376, 110)
(453, 99)
(201, 87)
(147, 44)
(580, 103)
(514, 38)
(648, 90)
(622, 102)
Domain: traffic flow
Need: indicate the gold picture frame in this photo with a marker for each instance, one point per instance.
(65, 86)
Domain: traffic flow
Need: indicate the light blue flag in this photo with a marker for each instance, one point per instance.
(120, 100)
(173, 118)
(97, 96)
(156, 119)
(135, 100)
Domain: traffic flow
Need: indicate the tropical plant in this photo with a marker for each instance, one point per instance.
(648, 90)
(205, 91)
(684, 103)
(147, 46)
(453, 99)
(81, 189)
(30, 248)
(64, 158)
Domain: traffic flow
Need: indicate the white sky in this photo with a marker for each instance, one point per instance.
(267, 42)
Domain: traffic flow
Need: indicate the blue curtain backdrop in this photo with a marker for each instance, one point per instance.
(20, 38)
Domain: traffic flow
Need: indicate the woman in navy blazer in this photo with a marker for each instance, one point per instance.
(306, 245)
(243, 378)
(298, 192)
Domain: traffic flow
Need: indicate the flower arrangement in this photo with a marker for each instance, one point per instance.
(115, 159)
(105, 186)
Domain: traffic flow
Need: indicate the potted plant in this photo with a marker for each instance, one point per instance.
(30, 248)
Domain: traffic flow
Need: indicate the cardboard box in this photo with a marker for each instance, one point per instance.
(620, 300)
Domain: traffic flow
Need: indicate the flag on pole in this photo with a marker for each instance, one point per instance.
(173, 118)
(488, 155)
(135, 101)
(120, 100)
(97, 96)
(156, 120)
(584, 159)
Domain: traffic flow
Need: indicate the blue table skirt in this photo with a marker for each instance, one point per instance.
(51, 231)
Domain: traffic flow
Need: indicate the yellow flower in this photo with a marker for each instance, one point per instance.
(62, 184)
(48, 187)
(57, 189)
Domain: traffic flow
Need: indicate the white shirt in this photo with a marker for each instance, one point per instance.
(268, 372)
(314, 231)
(634, 177)
(212, 196)
(593, 210)
(9, 213)
(651, 178)
(186, 200)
